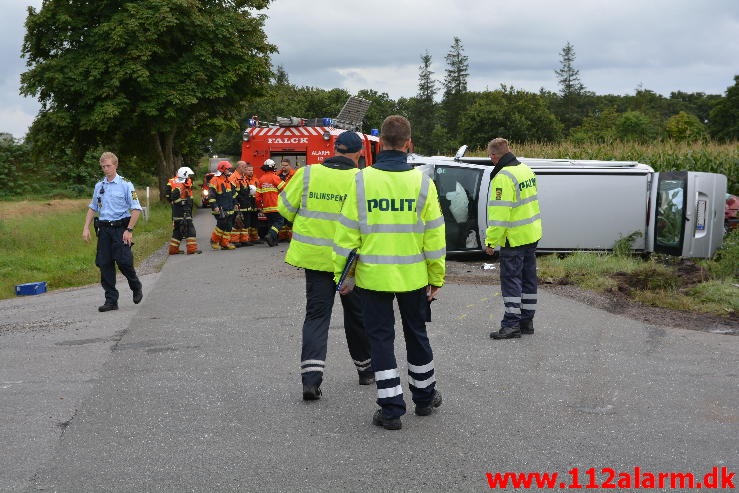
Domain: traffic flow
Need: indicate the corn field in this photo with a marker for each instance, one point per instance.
(710, 157)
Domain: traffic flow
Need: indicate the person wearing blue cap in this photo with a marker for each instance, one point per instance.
(312, 201)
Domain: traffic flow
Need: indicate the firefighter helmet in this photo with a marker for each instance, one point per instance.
(269, 165)
(224, 166)
(184, 173)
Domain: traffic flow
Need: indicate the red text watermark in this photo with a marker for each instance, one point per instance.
(592, 478)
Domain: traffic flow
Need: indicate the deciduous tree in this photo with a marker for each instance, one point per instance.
(685, 127)
(142, 77)
(724, 117)
(516, 115)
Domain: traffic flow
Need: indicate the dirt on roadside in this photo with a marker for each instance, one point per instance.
(617, 301)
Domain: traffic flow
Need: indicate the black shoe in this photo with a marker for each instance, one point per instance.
(366, 378)
(311, 392)
(527, 326)
(137, 296)
(506, 333)
(426, 410)
(246, 243)
(388, 423)
(196, 251)
(107, 307)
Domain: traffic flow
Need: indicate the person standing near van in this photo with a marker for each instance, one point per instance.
(392, 217)
(514, 224)
(115, 202)
(312, 201)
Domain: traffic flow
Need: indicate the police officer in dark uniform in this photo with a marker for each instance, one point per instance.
(117, 206)
(391, 215)
(312, 200)
(514, 224)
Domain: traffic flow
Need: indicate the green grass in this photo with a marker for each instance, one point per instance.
(49, 247)
(655, 281)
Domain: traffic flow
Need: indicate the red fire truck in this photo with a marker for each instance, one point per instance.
(306, 141)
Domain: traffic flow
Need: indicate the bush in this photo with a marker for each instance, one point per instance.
(725, 264)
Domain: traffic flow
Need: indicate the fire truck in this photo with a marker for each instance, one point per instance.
(307, 141)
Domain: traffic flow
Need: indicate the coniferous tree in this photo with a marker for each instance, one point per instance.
(567, 76)
(570, 109)
(455, 85)
(424, 111)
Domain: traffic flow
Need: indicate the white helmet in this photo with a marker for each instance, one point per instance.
(184, 173)
(269, 165)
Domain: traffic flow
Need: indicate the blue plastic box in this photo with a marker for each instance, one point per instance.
(30, 288)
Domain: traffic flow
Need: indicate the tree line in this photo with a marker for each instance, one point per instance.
(445, 114)
(162, 83)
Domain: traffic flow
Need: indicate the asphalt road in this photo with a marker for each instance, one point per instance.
(198, 389)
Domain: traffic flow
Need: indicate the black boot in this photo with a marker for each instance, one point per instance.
(506, 333)
(311, 392)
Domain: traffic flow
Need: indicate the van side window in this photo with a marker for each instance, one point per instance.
(458, 196)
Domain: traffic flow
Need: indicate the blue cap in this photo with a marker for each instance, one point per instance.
(348, 142)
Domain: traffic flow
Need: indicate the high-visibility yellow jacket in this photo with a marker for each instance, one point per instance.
(394, 220)
(513, 208)
(312, 201)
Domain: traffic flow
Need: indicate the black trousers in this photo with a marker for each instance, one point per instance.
(518, 283)
(320, 291)
(225, 223)
(111, 251)
(274, 223)
(379, 323)
(183, 225)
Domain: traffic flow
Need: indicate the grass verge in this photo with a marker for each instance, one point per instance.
(42, 241)
(704, 286)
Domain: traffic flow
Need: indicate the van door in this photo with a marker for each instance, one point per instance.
(689, 211)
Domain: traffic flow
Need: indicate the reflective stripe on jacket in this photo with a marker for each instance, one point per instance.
(312, 201)
(241, 186)
(222, 193)
(513, 208)
(179, 194)
(268, 191)
(394, 219)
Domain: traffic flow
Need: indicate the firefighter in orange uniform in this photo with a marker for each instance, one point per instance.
(251, 217)
(222, 200)
(285, 174)
(179, 194)
(239, 180)
(268, 192)
(286, 170)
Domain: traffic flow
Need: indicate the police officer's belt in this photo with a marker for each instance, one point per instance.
(114, 224)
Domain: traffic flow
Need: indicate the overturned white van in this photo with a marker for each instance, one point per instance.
(589, 205)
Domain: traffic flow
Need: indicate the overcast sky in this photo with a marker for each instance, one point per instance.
(620, 45)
